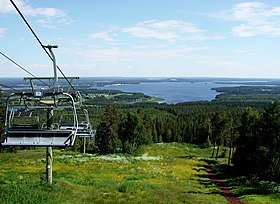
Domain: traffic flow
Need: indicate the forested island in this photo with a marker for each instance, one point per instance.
(241, 126)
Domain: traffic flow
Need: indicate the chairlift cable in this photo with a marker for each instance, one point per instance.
(22, 68)
(39, 41)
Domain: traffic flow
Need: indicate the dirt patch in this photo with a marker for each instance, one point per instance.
(222, 185)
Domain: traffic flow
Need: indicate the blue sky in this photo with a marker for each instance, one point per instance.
(152, 38)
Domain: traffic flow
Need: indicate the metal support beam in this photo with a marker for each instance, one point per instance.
(49, 165)
(49, 149)
(55, 77)
(49, 118)
(84, 145)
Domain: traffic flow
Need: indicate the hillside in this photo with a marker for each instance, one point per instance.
(166, 173)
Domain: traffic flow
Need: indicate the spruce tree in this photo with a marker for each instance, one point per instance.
(133, 133)
(107, 138)
(220, 131)
(269, 143)
(245, 155)
(258, 152)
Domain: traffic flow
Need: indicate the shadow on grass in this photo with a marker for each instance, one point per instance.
(215, 179)
(185, 157)
(226, 178)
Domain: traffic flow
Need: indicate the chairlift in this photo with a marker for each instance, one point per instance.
(27, 124)
(84, 130)
(37, 118)
(84, 127)
(32, 119)
(29, 109)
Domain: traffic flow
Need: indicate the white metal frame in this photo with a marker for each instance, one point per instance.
(27, 135)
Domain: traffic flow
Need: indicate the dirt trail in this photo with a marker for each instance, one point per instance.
(221, 184)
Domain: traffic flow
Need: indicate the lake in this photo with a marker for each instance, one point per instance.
(173, 92)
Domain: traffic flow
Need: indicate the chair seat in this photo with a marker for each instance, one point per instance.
(39, 137)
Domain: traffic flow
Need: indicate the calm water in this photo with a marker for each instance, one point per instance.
(173, 92)
(170, 91)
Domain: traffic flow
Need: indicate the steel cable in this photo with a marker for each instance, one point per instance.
(22, 68)
(39, 41)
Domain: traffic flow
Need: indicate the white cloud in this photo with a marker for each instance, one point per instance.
(49, 16)
(146, 50)
(256, 19)
(2, 32)
(141, 61)
(138, 53)
(241, 52)
(7, 7)
(169, 30)
(104, 35)
(54, 22)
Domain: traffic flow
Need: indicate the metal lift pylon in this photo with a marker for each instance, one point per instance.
(23, 126)
(49, 153)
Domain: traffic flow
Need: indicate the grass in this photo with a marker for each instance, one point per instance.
(167, 173)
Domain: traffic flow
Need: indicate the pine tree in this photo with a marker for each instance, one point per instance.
(155, 134)
(245, 155)
(107, 138)
(268, 147)
(133, 133)
(220, 131)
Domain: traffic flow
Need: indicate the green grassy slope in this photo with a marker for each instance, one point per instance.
(167, 173)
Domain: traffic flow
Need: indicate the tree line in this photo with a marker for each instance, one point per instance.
(252, 135)
(258, 151)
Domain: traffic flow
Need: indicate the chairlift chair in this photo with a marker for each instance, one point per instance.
(84, 126)
(26, 123)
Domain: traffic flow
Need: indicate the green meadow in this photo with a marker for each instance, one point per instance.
(166, 173)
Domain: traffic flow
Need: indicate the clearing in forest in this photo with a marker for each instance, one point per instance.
(166, 173)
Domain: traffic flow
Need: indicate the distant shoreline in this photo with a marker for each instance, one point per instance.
(171, 90)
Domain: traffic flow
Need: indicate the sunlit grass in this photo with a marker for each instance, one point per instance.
(166, 173)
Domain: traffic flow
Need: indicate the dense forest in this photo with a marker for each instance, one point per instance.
(250, 134)
(247, 129)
